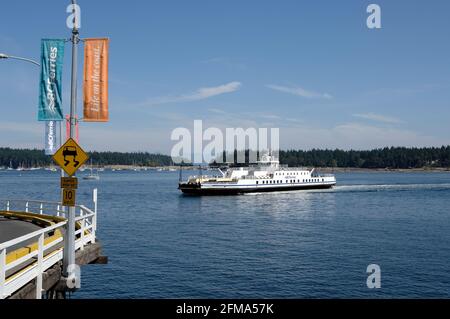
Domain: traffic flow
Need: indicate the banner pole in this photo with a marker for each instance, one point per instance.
(69, 263)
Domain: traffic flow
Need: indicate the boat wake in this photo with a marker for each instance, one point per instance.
(364, 188)
(389, 187)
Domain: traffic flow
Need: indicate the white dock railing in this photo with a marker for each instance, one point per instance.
(32, 265)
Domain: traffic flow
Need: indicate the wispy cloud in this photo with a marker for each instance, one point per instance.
(225, 62)
(354, 136)
(299, 92)
(378, 118)
(217, 111)
(200, 94)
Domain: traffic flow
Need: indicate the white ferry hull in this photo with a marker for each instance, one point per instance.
(196, 189)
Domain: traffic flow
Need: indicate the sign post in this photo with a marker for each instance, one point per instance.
(70, 157)
(69, 247)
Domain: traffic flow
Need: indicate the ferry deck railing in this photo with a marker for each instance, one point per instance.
(37, 261)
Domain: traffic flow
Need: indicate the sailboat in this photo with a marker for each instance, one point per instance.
(91, 175)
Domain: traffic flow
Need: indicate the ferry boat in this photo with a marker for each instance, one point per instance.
(266, 176)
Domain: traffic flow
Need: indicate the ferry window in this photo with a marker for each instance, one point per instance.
(256, 182)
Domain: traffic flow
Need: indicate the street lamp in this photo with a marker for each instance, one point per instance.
(5, 56)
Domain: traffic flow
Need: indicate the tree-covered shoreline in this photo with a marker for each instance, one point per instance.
(36, 158)
(388, 157)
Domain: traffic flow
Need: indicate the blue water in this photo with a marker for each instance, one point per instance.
(305, 244)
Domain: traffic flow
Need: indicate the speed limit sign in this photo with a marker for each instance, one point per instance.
(68, 197)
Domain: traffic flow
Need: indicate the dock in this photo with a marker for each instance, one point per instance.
(32, 248)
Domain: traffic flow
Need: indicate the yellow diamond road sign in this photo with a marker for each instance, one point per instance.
(70, 157)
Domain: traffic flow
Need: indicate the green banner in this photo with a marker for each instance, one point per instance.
(50, 86)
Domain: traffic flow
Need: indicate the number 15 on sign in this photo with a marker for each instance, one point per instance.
(68, 197)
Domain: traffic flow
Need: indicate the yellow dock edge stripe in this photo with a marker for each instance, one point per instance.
(41, 220)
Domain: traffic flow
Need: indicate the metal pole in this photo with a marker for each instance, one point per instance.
(63, 208)
(70, 238)
(5, 56)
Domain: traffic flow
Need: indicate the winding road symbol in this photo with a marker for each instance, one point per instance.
(70, 151)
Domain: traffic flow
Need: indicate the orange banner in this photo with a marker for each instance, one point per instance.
(95, 88)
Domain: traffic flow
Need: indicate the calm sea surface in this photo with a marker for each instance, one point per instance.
(305, 244)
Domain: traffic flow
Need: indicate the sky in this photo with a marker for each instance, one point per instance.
(313, 69)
